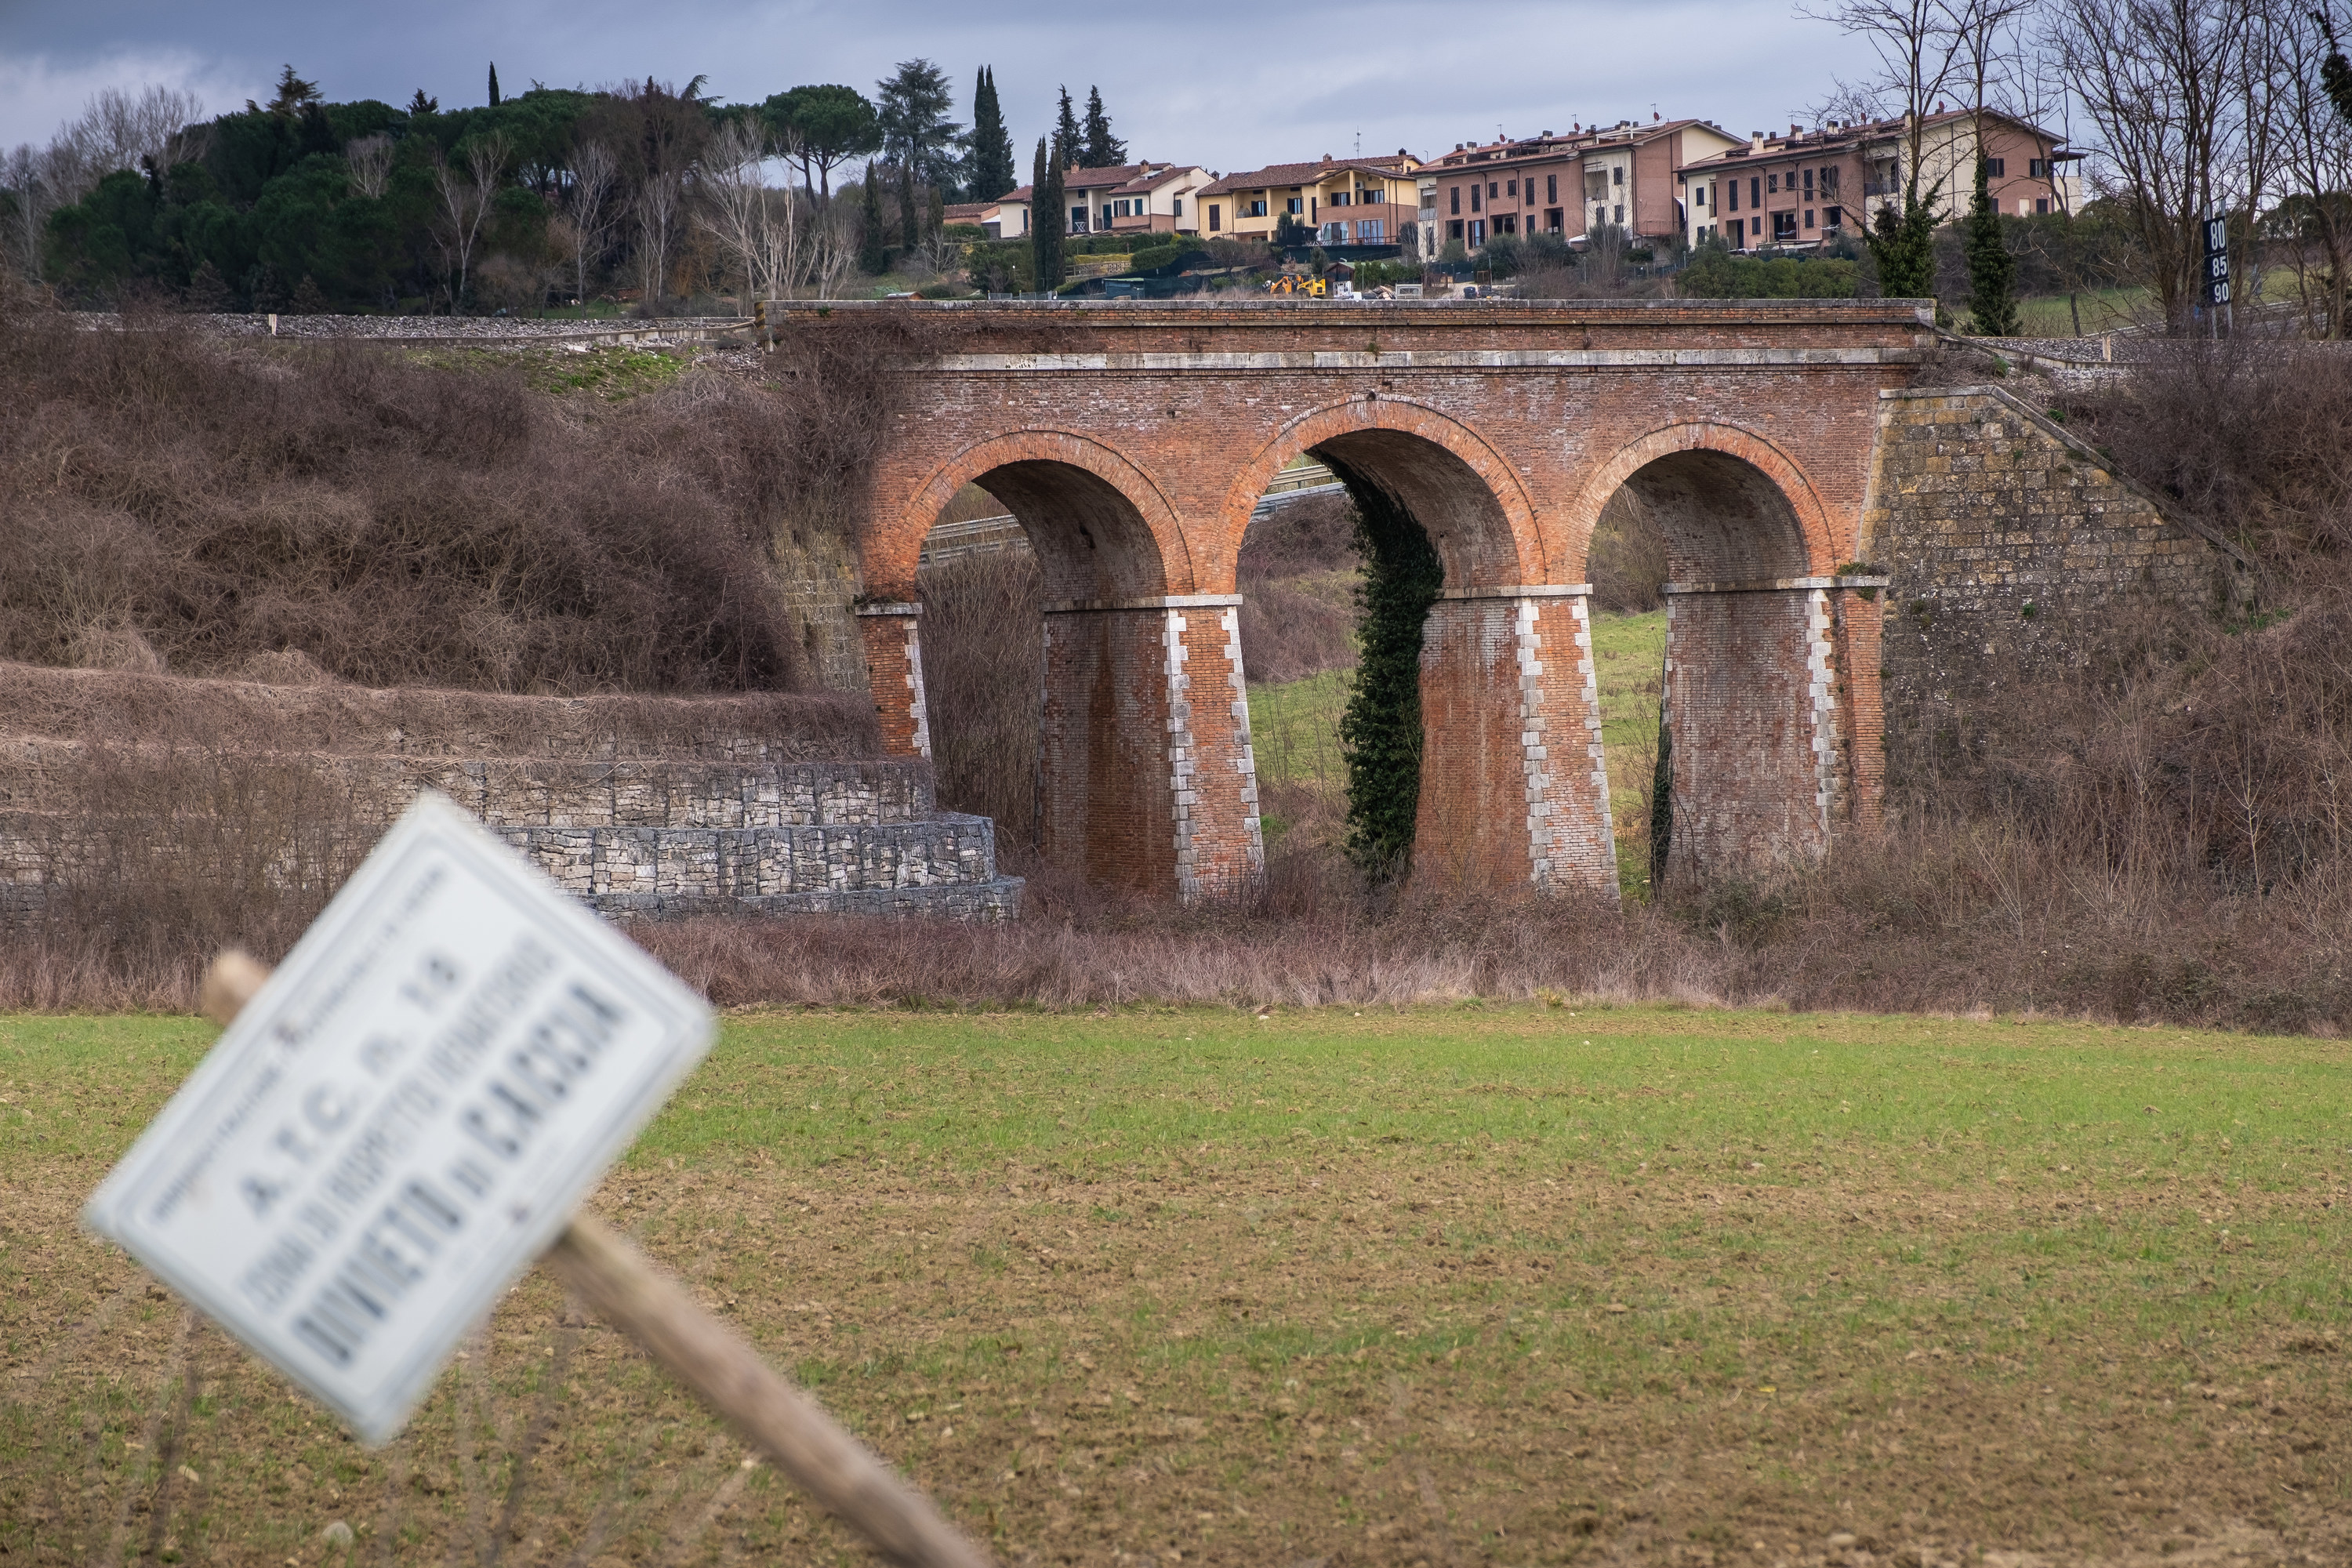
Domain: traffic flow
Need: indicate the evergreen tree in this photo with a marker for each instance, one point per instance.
(1045, 215)
(493, 84)
(908, 234)
(1993, 272)
(2334, 70)
(1066, 137)
(1902, 242)
(420, 106)
(992, 144)
(873, 250)
(309, 299)
(1103, 150)
(208, 291)
(912, 108)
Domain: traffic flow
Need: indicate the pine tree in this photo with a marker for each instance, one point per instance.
(1103, 150)
(2334, 70)
(1993, 272)
(1066, 137)
(1045, 215)
(873, 250)
(310, 299)
(493, 84)
(992, 144)
(909, 233)
(420, 106)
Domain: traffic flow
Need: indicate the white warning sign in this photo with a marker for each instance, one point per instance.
(404, 1117)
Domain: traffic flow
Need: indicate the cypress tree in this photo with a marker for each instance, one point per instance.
(1103, 150)
(1066, 137)
(873, 254)
(910, 230)
(1993, 272)
(1045, 218)
(493, 84)
(2334, 70)
(992, 144)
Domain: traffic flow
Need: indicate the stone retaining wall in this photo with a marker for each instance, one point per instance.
(2014, 556)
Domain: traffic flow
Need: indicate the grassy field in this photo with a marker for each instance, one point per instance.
(1528, 1285)
(1294, 727)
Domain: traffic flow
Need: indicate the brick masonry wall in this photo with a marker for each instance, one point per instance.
(1747, 706)
(2014, 555)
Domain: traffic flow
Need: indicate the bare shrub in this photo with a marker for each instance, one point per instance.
(1298, 569)
(395, 523)
(2249, 435)
(984, 661)
(1626, 562)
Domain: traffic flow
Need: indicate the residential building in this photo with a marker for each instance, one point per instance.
(1158, 198)
(1621, 175)
(1801, 189)
(1346, 201)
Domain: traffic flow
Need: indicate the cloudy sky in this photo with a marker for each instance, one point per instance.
(1227, 83)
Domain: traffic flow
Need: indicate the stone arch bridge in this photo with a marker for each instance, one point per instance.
(1132, 440)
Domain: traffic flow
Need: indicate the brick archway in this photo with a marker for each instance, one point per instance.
(1464, 492)
(1822, 544)
(1758, 699)
(1096, 490)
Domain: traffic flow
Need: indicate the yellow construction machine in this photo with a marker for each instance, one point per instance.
(1295, 283)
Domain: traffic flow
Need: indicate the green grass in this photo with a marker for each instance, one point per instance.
(1629, 657)
(1295, 730)
(1511, 1284)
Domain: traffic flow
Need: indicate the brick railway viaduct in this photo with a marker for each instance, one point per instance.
(1775, 442)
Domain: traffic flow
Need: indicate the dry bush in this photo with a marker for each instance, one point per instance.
(395, 524)
(1298, 569)
(2248, 435)
(984, 662)
(1626, 562)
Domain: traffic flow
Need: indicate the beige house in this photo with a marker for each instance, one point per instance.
(1158, 198)
(1346, 201)
(1801, 189)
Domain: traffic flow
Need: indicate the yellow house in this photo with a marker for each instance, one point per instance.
(1346, 201)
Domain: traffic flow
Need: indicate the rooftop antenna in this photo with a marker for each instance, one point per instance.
(1359, 143)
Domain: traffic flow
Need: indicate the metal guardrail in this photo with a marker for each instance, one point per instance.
(981, 535)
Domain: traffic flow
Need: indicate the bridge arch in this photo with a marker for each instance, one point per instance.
(1465, 494)
(1752, 736)
(1101, 528)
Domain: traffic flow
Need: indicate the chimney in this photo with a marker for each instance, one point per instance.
(1327, 157)
(1755, 141)
(1796, 131)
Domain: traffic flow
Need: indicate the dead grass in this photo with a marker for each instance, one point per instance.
(1521, 1285)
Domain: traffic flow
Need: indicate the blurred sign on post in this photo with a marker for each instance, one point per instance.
(404, 1117)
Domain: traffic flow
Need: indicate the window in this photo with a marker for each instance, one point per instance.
(1106, 215)
(1784, 227)
(1515, 190)
(1833, 217)
(1453, 228)
(1294, 206)
(1473, 198)
(1340, 198)
(1808, 218)
(1176, 207)
(1078, 220)
(1552, 216)
(1809, 185)
(1997, 167)
(1698, 196)
(1829, 181)
(1370, 231)
(1618, 173)
(1455, 194)
(1599, 217)
(1551, 190)
(2037, 168)
(1493, 190)
(1755, 227)
(1596, 183)
(1755, 196)
(1619, 215)
(1216, 217)
(1256, 208)
(2042, 206)
(1734, 195)
(1772, 184)
(1477, 233)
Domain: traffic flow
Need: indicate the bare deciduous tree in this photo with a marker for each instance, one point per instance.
(370, 159)
(758, 228)
(588, 207)
(465, 202)
(2156, 79)
(657, 204)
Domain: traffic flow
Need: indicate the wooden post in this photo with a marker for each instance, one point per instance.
(841, 1474)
